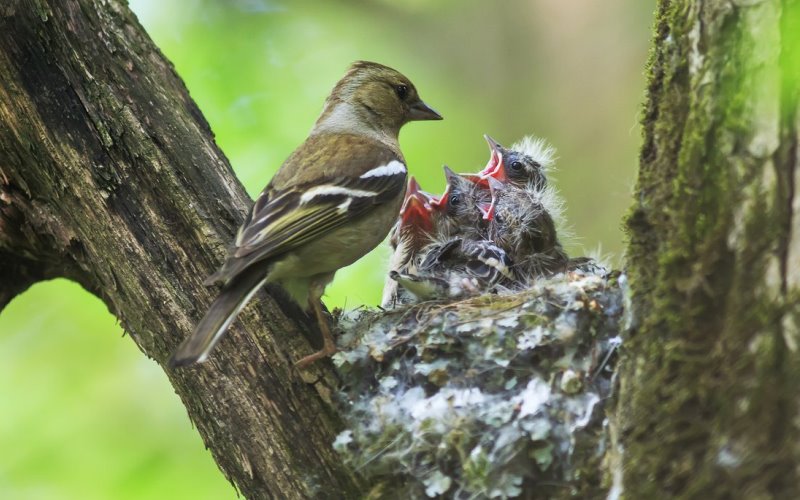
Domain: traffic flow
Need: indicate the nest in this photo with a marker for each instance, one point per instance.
(499, 396)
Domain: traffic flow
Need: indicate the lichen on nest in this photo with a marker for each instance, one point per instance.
(489, 397)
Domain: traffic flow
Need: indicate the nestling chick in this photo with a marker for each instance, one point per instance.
(459, 260)
(457, 268)
(332, 201)
(413, 231)
(457, 212)
(523, 206)
(523, 165)
(522, 223)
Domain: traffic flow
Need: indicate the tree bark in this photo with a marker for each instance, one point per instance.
(708, 394)
(109, 176)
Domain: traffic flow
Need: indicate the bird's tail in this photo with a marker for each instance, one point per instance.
(232, 299)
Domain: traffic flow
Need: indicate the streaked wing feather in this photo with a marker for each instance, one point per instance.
(288, 221)
(288, 232)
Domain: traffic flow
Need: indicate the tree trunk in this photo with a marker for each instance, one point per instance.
(109, 176)
(708, 399)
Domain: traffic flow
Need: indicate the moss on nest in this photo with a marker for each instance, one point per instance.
(491, 397)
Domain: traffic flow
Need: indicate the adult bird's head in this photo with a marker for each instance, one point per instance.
(373, 97)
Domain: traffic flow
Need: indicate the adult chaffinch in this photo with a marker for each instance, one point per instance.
(332, 201)
(413, 231)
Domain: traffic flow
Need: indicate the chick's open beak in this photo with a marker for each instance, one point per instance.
(476, 179)
(495, 167)
(412, 189)
(416, 210)
(440, 202)
(487, 210)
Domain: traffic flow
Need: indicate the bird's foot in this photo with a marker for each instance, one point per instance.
(326, 352)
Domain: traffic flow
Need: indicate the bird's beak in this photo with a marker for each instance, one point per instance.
(495, 167)
(421, 111)
(413, 187)
(487, 209)
(476, 179)
(449, 175)
(440, 202)
(416, 210)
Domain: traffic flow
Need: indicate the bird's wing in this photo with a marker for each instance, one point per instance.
(480, 259)
(285, 219)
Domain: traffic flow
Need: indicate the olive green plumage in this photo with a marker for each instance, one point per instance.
(332, 201)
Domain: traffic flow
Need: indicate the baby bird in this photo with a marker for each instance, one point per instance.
(523, 165)
(413, 231)
(458, 268)
(460, 260)
(332, 201)
(523, 223)
(523, 207)
(459, 210)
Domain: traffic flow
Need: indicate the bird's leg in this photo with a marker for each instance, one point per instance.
(328, 344)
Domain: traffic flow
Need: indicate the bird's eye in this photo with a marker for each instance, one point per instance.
(454, 200)
(401, 90)
(516, 165)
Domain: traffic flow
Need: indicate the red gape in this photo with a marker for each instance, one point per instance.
(496, 167)
(482, 181)
(416, 209)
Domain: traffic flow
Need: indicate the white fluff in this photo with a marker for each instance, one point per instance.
(538, 149)
(553, 203)
(545, 155)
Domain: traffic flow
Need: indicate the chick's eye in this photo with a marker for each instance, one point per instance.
(401, 90)
(516, 165)
(454, 199)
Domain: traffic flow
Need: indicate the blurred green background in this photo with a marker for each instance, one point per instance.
(86, 415)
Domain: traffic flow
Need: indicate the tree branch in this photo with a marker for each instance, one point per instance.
(109, 175)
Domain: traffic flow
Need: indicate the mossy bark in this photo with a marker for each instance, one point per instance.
(109, 176)
(708, 397)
